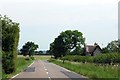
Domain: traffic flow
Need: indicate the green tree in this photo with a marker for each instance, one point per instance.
(40, 52)
(105, 50)
(29, 49)
(113, 46)
(66, 42)
(119, 45)
(58, 48)
(77, 51)
(10, 39)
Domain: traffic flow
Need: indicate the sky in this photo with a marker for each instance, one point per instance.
(41, 21)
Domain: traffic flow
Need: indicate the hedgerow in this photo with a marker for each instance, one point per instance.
(10, 39)
(109, 58)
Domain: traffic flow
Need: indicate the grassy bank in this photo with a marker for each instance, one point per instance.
(22, 63)
(90, 70)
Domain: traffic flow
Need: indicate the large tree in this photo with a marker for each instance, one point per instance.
(113, 46)
(66, 42)
(58, 47)
(29, 49)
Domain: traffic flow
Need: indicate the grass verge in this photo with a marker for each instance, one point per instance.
(90, 70)
(22, 63)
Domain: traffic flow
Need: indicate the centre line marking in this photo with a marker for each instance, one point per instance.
(46, 72)
(49, 78)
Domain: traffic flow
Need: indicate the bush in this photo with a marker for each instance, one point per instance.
(27, 58)
(9, 61)
(4, 76)
(32, 58)
(109, 58)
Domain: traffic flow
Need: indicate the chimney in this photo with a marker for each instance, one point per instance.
(96, 44)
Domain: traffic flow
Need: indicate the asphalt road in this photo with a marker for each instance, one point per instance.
(43, 70)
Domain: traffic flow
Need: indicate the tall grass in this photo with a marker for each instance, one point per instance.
(91, 70)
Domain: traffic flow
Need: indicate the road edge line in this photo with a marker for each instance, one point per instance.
(31, 64)
(14, 76)
(20, 72)
(62, 67)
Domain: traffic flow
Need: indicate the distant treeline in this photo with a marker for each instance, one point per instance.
(47, 52)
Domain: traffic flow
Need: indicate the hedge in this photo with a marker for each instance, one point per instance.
(10, 39)
(101, 58)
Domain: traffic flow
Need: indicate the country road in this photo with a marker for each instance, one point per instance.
(43, 70)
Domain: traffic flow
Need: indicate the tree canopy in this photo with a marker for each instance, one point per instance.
(113, 46)
(66, 42)
(29, 49)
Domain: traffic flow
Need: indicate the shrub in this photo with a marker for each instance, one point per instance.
(102, 59)
(7, 62)
(4, 76)
(27, 58)
(32, 58)
(107, 58)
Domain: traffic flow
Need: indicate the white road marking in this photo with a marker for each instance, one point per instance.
(68, 70)
(61, 67)
(48, 77)
(14, 76)
(20, 72)
(30, 64)
(46, 72)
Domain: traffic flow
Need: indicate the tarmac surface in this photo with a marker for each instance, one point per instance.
(43, 70)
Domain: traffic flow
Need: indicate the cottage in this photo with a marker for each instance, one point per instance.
(92, 50)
